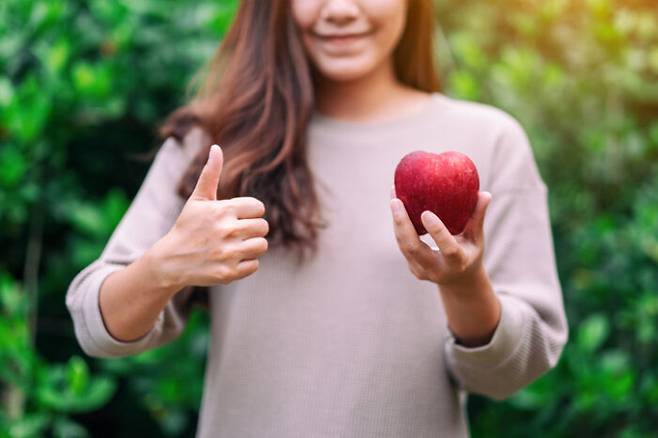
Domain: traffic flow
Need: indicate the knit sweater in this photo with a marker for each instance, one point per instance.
(351, 344)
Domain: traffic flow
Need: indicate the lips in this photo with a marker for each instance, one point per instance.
(339, 36)
(341, 41)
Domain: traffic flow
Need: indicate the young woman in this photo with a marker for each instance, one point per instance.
(374, 332)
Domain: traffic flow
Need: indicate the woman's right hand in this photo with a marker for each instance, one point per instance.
(213, 241)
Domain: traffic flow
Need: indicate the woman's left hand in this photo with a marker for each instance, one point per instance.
(458, 258)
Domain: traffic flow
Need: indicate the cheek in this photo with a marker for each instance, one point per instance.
(390, 17)
(304, 12)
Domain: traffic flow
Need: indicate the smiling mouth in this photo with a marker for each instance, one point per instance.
(344, 38)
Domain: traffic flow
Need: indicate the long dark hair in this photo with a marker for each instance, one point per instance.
(256, 100)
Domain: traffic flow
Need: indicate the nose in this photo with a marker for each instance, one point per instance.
(340, 11)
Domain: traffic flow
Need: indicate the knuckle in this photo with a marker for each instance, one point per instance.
(459, 266)
(224, 273)
(226, 207)
(249, 268)
(414, 270)
(421, 274)
(251, 202)
(408, 251)
(218, 253)
(223, 230)
(220, 208)
(412, 249)
(261, 206)
(262, 244)
(254, 266)
(451, 252)
(265, 227)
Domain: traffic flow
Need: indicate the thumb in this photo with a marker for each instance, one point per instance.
(208, 183)
(476, 224)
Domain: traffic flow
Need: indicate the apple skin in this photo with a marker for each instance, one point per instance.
(447, 184)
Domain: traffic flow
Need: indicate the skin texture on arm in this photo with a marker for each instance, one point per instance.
(472, 309)
(212, 242)
(471, 306)
(526, 313)
(131, 299)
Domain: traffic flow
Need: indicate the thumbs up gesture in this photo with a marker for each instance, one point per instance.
(213, 241)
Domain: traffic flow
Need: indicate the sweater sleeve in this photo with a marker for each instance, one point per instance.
(150, 216)
(519, 259)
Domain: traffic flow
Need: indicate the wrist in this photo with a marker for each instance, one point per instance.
(472, 308)
(164, 279)
(471, 285)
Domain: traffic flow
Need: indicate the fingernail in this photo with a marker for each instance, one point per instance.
(397, 208)
(431, 218)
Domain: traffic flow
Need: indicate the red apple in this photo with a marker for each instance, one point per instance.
(447, 184)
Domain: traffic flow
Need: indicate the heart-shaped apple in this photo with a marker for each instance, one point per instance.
(447, 184)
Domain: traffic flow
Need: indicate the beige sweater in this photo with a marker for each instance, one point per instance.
(352, 344)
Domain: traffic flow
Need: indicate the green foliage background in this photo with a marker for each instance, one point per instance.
(83, 85)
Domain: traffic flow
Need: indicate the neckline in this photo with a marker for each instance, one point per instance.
(330, 124)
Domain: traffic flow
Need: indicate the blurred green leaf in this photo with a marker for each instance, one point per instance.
(69, 388)
(13, 167)
(592, 333)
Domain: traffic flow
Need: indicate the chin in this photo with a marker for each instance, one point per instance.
(344, 71)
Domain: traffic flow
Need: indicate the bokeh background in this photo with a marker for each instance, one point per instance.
(84, 84)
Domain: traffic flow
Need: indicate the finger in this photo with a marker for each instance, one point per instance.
(208, 182)
(247, 228)
(247, 267)
(446, 242)
(252, 248)
(475, 226)
(246, 207)
(414, 249)
(418, 271)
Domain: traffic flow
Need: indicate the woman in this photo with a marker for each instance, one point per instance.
(375, 333)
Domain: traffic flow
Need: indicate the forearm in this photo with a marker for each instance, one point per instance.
(131, 299)
(472, 309)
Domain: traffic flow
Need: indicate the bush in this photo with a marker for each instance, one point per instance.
(84, 84)
(580, 76)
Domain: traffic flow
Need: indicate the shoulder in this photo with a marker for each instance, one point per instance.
(193, 142)
(494, 127)
(184, 128)
(186, 148)
(172, 160)
(481, 116)
(502, 142)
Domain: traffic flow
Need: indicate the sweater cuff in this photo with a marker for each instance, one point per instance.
(100, 337)
(504, 342)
